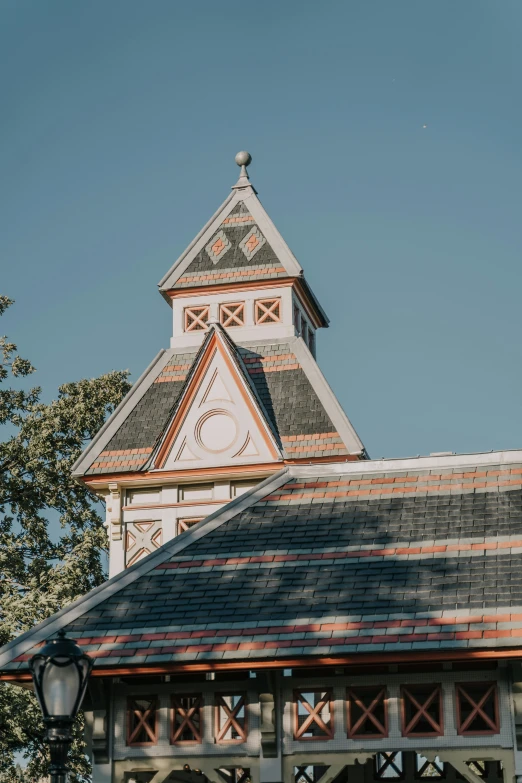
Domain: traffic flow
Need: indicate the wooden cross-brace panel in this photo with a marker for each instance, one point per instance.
(313, 715)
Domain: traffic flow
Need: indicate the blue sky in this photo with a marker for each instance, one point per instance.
(120, 121)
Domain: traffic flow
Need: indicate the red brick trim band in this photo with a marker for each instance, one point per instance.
(275, 368)
(125, 452)
(324, 634)
(238, 219)
(170, 378)
(399, 484)
(451, 550)
(248, 273)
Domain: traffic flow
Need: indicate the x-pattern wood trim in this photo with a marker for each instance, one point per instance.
(140, 540)
(422, 712)
(232, 314)
(187, 716)
(368, 713)
(235, 775)
(188, 522)
(388, 761)
(232, 720)
(302, 776)
(478, 710)
(143, 719)
(196, 318)
(266, 311)
(314, 716)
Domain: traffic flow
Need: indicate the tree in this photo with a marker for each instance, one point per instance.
(40, 573)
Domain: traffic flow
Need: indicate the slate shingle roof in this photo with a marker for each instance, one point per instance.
(348, 562)
(233, 265)
(296, 414)
(132, 444)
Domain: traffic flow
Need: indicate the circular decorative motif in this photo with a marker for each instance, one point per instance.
(216, 431)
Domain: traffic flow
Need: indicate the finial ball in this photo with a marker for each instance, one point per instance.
(243, 158)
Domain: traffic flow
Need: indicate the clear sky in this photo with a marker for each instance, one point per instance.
(386, 138)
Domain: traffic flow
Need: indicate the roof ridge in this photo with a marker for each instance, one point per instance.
(176, 403)
(234, 348)
(402, 464)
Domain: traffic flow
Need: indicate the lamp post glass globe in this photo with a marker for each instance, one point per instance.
(60, 673)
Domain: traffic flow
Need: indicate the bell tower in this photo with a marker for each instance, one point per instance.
(235, 397)
(240, 273)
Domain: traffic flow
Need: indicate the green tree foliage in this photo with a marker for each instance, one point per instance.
(40, 573)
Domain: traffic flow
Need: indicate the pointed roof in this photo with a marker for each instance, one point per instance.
(386, 556)
(239, 244)
(283, 381)
(217, 360)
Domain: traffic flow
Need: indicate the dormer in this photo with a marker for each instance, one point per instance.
(239, 272)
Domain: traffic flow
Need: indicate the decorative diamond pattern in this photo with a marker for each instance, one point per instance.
(252, 242)
(218, 246)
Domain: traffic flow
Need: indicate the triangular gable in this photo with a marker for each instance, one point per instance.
(218, 419)
(240, 234)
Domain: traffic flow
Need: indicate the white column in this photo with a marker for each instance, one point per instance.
(116, 536)
(249, 311)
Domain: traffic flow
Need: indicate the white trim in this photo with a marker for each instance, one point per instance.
(119, 415)
(242, 374)
(273, 236)
(367, 467)
(328, 399)
(65, 616)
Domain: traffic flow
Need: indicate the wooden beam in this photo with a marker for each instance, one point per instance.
(367, 659)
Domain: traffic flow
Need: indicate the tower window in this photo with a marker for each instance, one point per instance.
(297, 319)
(196, 492)
(311, 342)
(237, 488)
(232, 314)
(268, 311)
(305, 332)
(196, 318)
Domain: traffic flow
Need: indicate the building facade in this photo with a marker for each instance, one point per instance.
(281, 607)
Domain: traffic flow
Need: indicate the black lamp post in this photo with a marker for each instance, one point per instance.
(60, 674)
